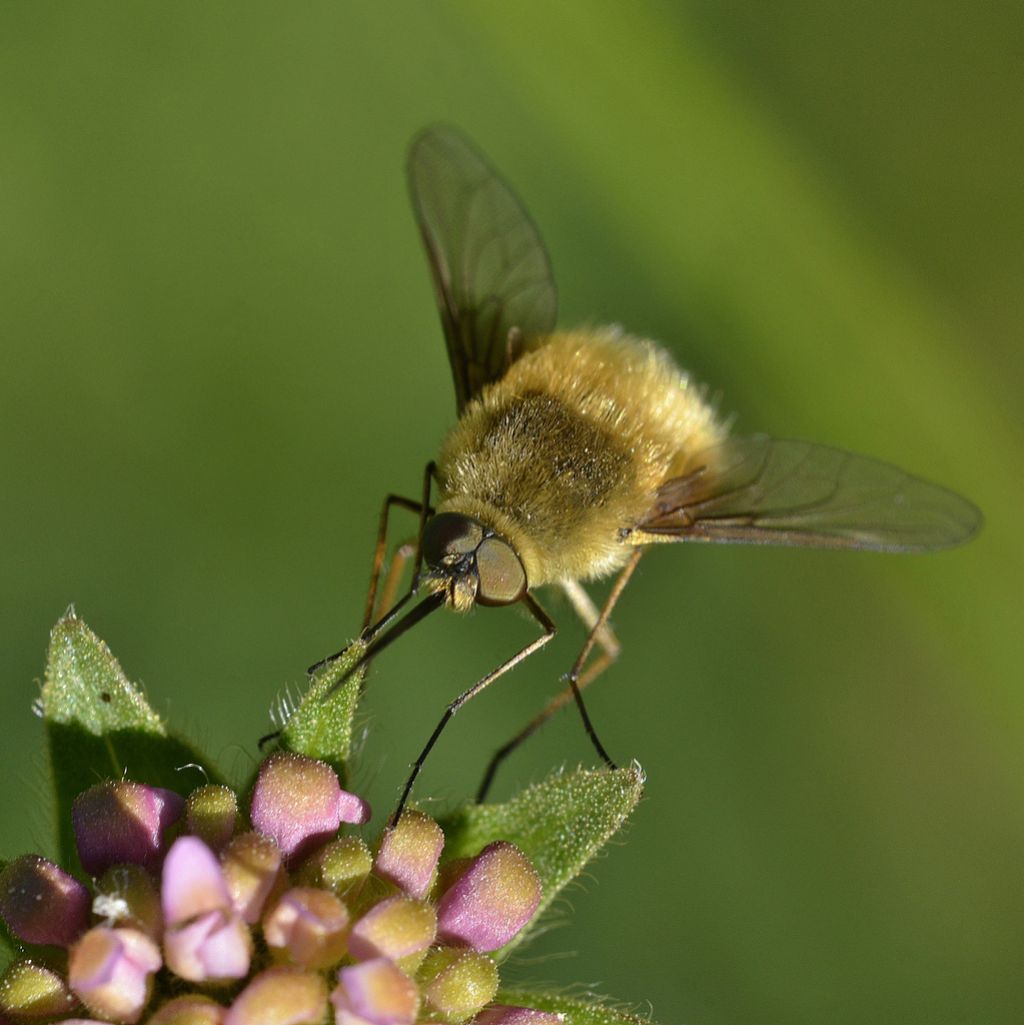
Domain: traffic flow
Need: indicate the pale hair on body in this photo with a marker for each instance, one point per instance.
(564, 454)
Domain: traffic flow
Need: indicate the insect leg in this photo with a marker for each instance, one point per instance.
(399, 560)
(547, 625)
(381, 547)
(600, 633)
(603, 634)
(423, 509)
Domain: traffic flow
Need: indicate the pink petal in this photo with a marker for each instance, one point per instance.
(491, 901)
(376, 991)
(193, 882)
(109, 970)
(214, 946)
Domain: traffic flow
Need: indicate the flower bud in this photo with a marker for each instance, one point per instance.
(501, 1014)
(280, 996)
(214, 947)
(188, 1010)
(193, 882)
(397, 928)
(205, 939)
(210, 813)
(492, 899)
(409, 852)
(376, 991)
(337, 866)
(41, 903)
(308, 926)
(298, 803)
(457, 983)
(30, 992)
(122, 822)
(252, 870)
(110, 971)
(126, 895)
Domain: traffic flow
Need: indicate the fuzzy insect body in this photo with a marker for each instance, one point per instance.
(575, 450)
(564, 455)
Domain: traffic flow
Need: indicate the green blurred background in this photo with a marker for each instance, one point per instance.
(219, 350)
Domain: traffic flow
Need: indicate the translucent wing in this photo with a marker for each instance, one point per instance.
(760, 490)
(490, 271)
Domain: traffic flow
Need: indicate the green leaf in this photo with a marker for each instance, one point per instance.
(86, 686)
(8, 945)
(100, 726)
(321, 727)
(575, 1011)
(559, 824)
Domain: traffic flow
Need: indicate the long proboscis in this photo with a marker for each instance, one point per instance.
(382, 634)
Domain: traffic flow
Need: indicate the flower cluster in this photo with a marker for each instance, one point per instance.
(199, 917)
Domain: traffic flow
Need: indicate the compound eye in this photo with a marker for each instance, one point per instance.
(501, 574)
(450, 534)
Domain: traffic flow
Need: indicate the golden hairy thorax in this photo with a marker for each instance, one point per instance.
(570, 446)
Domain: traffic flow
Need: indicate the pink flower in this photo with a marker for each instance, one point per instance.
(205, 938)
(299, 804)
(123, 822)
(491, 901)
(308, 925)
(376, 991)
(110, 971)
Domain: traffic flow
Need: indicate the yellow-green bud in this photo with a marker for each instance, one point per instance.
(211, 812)
(29, 992)
(456, 983)
(337, 866)
(188, 1010)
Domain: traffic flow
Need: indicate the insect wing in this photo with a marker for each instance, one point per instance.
(490, 270)
(760, 490)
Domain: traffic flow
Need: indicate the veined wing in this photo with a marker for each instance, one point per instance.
(760, 490)
(490, 271)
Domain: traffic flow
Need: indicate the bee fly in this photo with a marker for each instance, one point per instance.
(576, 450)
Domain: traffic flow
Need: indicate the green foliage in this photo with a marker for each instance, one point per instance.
(575, 1010)
(100, 726)
(321, 726)
(8, 946)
